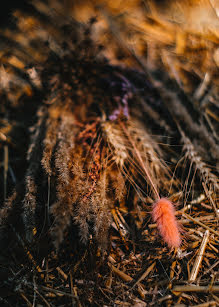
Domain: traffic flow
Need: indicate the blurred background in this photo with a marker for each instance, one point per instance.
(7, 9)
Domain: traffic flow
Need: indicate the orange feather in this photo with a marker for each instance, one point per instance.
(164, 215)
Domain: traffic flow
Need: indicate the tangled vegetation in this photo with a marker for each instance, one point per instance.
(113, 113)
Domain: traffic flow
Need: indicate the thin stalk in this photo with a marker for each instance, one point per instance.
(140, 159)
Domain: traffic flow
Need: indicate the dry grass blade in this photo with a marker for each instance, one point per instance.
(194, 288)
(216, 210)
(6, 161)
(121, 274)
(201, 224)
(128, 278)
(144, 275)
(199, 257)
(123, 105)
(207, 304)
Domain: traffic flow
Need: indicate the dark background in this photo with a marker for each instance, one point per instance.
(7, 7)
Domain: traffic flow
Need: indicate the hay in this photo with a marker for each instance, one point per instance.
(90, 104)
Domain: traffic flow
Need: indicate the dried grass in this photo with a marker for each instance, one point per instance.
(78, 229)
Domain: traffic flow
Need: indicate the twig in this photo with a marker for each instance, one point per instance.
(121, 274)
(42, 298)
(26, 299)
(56, 291)
(127, 278)
(211, 200)
(211, 268)
(201, 224)
(194, 288)
(144, 275)
(62, 273)
(216, 298)
(207, 304)
(199, 257)
(165, 298)
(5, 170)
(74, 292)
(199, 93)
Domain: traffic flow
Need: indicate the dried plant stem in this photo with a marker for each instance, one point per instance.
(207, 304)
(121, 274)
(60, 271)
(211, 268)
(127, 278)
(5, 170)
(194, 288)
(43, 298)
(145, 274)
(26, 299)
(140, 159)
(201, 224)
(28, 253)
(199, 258)
(211, 200)
(56, 291)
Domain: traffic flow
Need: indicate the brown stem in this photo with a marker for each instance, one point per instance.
(140, 159)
